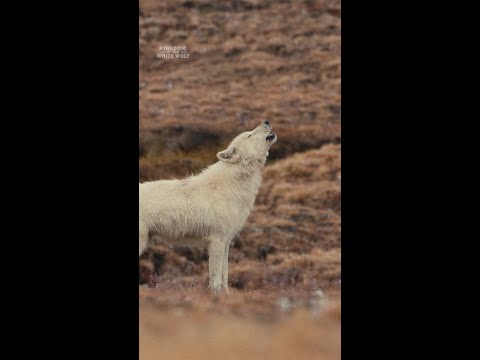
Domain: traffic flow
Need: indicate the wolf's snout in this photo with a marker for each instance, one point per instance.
(271, 137)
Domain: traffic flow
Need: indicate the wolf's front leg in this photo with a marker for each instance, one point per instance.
(225, 267)
(216, 253)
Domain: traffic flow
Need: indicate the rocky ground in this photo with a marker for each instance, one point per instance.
(249, 61)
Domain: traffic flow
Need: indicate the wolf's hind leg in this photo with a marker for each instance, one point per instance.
(142, 238)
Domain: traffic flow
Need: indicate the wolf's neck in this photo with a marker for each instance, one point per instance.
(233, 177)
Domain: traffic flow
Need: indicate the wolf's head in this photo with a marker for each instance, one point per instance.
(250, 146)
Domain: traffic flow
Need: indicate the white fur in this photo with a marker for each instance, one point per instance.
(208, 209)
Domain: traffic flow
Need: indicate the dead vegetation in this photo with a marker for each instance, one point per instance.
(295, 222)
(183, 334)
(183, 322)
(249, 61)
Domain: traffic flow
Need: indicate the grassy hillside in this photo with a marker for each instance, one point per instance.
(249, 61)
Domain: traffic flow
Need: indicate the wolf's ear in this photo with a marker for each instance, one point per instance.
(229, 155)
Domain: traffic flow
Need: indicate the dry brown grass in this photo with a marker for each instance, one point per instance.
(295, 222)
(174, 335)
(275, 60)
(250, 60)
(289, 249)
(257, 324)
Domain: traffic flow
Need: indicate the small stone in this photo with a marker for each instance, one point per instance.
(284, 303)
(319, 294)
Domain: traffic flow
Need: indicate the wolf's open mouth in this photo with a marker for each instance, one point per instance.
(270, 137)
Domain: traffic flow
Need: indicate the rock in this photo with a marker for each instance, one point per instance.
(284, 304)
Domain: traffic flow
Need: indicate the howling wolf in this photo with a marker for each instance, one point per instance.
(208, 209)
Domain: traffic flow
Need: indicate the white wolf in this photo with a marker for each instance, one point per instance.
(208, 209)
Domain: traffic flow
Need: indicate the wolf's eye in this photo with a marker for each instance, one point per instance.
(249, 136)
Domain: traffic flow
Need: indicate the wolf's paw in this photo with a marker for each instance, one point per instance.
(215, 288)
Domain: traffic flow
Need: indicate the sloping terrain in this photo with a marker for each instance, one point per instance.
(249, 60)
(292, 236)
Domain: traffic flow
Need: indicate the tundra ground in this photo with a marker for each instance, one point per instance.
(249, 61)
